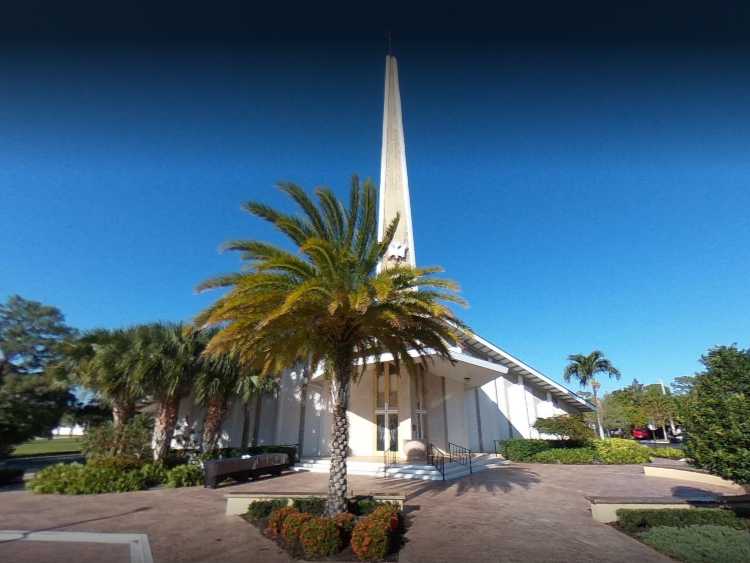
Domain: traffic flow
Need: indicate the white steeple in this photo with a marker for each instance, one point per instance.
(394, 182)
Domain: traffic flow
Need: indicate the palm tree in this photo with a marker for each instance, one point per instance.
(170, 363)
(329, 302)
(252, 388)
(219, 379)
(584, 369)
(104, 361)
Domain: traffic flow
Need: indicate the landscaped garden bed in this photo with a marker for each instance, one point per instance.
(694, 535)
(369, 531)
(609, 451)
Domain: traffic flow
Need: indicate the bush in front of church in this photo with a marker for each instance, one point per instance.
(609, 451)
(320, 537)
(566, 427)
(376, 535)
(566, 456)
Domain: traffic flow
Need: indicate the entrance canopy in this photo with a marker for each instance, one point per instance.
(469, 370)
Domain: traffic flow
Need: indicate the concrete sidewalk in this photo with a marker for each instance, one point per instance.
(520, 512)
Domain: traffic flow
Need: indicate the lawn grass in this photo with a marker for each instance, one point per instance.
(48, 447)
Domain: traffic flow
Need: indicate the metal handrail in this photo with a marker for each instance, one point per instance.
(436, 458)
(389, 458)
(459, 454)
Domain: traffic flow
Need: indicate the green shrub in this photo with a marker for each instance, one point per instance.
(669, 453)
(187, 475)
(569, 456)
(565, 426)
(315, 506)
(371, 538)
(717, 422)
(131, 441)
(700, 544)
(291, 528)
(153, 474)
(637, 520)
(276, 520)
(260, 509)
(521, 449)
(115, 463)
(77, 479)
(320, 537)
(9, 475)
(616, 451)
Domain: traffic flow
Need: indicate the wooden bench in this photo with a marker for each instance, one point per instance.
(237, 503)
(244, 469)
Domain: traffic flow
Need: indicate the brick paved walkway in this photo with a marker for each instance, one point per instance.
(521, 512)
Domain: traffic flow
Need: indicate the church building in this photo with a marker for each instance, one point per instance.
(486, 395)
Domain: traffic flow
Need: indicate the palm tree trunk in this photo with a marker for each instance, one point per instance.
(216, 410)
(166, 421)
(599, 427)
(122, 412)
(337, 476)
(303, 409)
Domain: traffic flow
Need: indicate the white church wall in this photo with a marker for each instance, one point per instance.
(287, 421)
(454, 406)
(404, 410)
(435, 413)
(268, 413)
(491, 407)
(470, 421)
(317, 421)
(361, 416)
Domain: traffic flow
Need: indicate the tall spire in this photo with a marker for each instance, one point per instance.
(394, 182)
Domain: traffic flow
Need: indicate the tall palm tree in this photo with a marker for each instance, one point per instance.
(171, 362)
(219, 379)
(584, 369)
(104, 361)
(329, 302)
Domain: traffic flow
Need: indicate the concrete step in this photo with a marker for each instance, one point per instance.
(419, 471)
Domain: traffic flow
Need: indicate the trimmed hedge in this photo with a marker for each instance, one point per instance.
(638, 520)
(568, 456)
(617, 451)
(521, 449)
(699, 544)
(608, 451)
(320, 537)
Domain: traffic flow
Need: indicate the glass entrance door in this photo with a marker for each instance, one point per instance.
(386, 408)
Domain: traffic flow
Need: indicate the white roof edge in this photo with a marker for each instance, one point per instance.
(531, 370)
(461, 357)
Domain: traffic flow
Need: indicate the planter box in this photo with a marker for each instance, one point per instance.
(217, 470)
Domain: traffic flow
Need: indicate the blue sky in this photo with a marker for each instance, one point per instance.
(584, 199)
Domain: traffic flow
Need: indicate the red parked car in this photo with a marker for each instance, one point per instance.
(641, 433)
